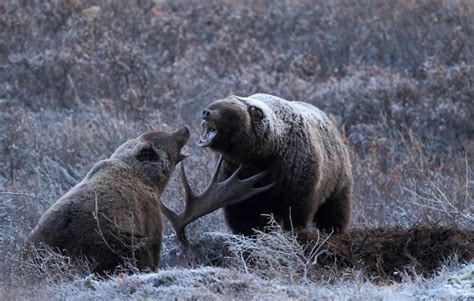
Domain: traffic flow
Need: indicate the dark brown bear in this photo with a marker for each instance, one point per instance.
(113, 214)
(299, 145)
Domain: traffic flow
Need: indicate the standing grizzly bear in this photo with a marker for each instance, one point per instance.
(113, 214)
(300, 147)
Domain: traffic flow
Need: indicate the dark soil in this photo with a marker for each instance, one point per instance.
(385, 253)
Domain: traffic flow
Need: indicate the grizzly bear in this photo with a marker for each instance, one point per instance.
(301, 148)
(113, 215)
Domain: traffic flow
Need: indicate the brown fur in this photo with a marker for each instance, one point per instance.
(302, 149)
(114, 213)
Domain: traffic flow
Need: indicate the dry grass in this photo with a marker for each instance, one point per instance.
(77, 78)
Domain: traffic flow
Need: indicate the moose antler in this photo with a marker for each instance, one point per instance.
(217, 195)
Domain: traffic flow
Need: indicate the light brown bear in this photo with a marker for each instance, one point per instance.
(301, 148)
(113, 214)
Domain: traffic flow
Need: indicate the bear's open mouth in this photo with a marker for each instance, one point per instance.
(210, 132)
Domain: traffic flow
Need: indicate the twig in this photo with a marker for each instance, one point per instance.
(73, 86)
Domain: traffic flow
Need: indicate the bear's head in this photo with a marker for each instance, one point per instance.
(242, 129)
(153, 155)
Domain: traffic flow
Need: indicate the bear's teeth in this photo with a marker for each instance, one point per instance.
(208, 135)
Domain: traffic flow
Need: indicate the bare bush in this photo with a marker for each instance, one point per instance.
(273, 254)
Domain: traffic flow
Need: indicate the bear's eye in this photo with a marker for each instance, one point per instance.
(255, 113)
(147, 154)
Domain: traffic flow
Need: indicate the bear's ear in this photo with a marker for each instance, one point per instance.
(147, 154)
(255, 113)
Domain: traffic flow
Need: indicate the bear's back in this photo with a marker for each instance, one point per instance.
(283, 108)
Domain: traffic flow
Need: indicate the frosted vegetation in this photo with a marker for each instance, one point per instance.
(78, 78)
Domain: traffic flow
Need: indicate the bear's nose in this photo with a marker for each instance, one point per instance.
(205, 114)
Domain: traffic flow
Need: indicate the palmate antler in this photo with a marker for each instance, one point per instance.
(217, 195)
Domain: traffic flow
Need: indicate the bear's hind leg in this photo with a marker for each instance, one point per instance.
(335, 213)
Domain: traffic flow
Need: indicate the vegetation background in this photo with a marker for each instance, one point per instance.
(79, 77)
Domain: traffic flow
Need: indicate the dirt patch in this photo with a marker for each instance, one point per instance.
(384, 253)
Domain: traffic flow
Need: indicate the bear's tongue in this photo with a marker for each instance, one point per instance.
(208, 135)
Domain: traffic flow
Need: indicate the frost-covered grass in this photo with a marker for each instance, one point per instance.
(77, 78)
(211, 283)
(215, 283)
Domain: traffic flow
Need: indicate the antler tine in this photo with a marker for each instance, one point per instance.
(218, 167)
(187, 188)
(175, 222)
(179, 222)
(235, 175)
(214, 176)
